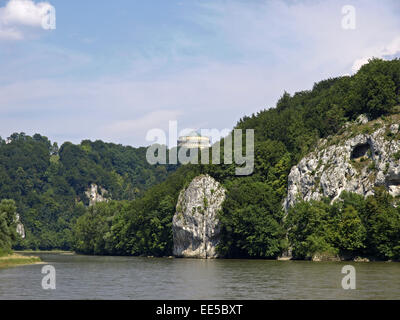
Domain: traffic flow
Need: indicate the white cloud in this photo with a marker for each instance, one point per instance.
(18, 14)
(391, 49)
(307, 34)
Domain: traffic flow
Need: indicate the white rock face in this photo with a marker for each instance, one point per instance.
(20, 226)
(96, 194)
(362, 119)
(195, 225)
(355, 163)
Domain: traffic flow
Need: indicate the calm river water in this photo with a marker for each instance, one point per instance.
(88, 277)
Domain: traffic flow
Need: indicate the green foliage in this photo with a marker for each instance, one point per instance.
(375, 89)
(48, 183)
(8, 232)
(310, 228)
(353, 226)
(350, 232)
(396, 155)
(92, 231)
(140, 227)
(372, 166)
(251, 220)
(382, 222)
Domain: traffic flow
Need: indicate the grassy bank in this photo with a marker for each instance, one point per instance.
(14, 259)
(43, 251)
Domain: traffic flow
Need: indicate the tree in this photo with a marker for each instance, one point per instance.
(310, 231)
(351, 233)
(8, 232)
(374, 89)
(251, 221)
(383, 226)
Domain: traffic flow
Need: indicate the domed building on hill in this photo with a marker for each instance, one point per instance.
(194, 140)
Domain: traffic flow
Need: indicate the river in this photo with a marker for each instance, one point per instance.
(99, 277)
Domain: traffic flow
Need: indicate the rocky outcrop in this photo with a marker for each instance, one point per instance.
(195, 224)
(364, 156)
(96, 194)
(20, 226)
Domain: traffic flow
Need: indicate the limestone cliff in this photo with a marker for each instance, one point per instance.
(20, 227)
(96, 194)
(195, 223)
(366, 154)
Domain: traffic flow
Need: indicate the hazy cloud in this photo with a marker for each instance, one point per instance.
(130, 129)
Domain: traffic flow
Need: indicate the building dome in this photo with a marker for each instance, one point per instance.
(194, 140)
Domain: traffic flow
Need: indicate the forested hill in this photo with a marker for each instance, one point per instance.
(48, 183)
(298, 121)
(252, 223)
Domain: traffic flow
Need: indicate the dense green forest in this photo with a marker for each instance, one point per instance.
(253, 222)
(353, 226)
(48, 184)
(140, 227)
(8, 233)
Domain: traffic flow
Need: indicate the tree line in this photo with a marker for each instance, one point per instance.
(48, 183)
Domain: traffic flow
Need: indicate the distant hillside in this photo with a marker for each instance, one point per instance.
(49, 184)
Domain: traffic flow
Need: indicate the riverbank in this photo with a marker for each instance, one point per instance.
(16, 259)
(43, 251)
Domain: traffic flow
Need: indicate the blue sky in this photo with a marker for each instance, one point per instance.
(113, 70)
